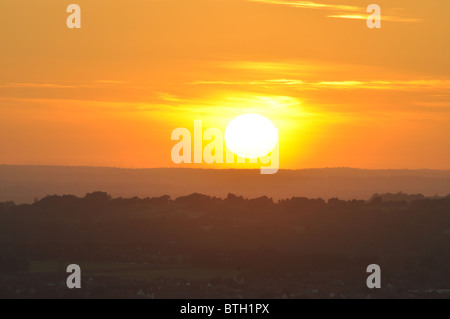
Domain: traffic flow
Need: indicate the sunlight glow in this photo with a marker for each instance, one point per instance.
(251, 135)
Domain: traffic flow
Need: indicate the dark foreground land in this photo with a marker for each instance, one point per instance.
(204, 247)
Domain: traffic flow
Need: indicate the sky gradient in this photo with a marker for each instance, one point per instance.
(110, 93)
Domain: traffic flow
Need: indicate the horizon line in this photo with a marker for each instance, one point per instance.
(223, 169)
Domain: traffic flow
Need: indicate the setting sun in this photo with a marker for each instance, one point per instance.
(251, 136)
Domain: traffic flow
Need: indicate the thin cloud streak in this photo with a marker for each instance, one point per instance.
(379, 85)
(383, 18)
(310, 5)
(37, 85)
(93, 84)
(342, 11)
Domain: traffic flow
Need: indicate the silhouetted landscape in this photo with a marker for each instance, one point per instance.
(24, 184)
(199, 246)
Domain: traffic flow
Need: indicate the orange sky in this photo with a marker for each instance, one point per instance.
(111, 93)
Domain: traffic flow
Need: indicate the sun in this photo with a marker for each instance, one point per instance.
(251, 135)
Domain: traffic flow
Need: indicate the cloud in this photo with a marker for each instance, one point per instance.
(383, 18)
(426, 84)
(256, 82)
(420, 84)
(39, 85)
(109, 82)
(76, 105)
(310, 5)
(341, 11)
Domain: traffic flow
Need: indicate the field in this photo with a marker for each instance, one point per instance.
(131, 271)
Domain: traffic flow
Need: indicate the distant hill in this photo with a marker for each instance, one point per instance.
(24, 184)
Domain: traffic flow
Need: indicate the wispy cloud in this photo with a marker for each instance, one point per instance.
(62, 85)
(256, 82)
(311, 5)
(348, 84)
(37, 85)
(383, 18)
(109, 81)
(76, 105)
(341, 11)
(388, 84)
